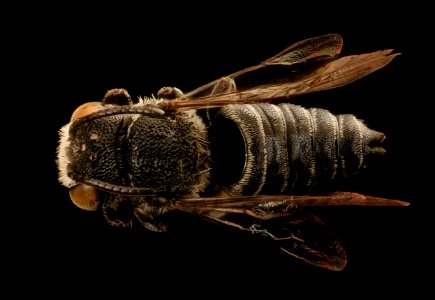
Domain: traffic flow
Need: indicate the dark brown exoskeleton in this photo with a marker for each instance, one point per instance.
(226, 153)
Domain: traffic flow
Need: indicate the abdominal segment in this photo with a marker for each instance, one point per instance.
(283, 148)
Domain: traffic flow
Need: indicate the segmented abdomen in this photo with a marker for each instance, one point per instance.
(289, 147)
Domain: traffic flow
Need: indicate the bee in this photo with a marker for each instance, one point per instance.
(234, 151)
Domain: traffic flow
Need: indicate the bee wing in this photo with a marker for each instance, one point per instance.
(328, 72)
(246, 204)
(305, 237)
(301, 235)
(320, 47)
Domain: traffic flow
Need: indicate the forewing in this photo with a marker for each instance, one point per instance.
(333, 74)
(280, 203)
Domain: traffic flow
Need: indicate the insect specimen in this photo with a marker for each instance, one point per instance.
(234, 151)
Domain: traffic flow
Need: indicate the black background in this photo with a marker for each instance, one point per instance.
(60, 60)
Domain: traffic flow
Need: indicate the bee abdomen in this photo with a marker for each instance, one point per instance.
(288, 147)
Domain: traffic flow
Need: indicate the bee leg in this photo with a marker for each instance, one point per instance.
(224, 85)
(117, 211)
(117, 97)
(153, 227)
(169, 93)
(149, 215)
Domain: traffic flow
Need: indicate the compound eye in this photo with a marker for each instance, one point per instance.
(86, 109)
(84, 197)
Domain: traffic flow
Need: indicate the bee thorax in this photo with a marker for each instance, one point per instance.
(131, 152)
